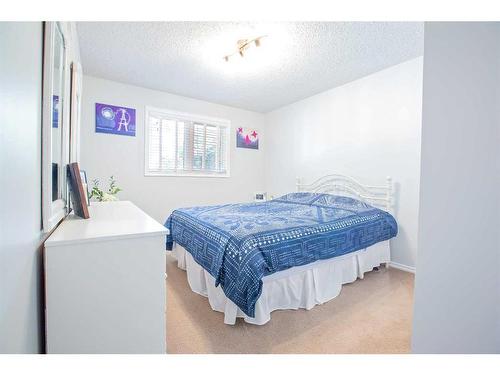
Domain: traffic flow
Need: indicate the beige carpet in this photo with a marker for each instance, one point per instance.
(372, 315)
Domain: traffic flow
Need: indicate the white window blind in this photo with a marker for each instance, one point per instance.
(186, 145)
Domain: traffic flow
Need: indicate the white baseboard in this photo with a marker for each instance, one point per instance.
(402, 267)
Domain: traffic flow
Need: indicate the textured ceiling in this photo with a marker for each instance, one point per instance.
(296, 59)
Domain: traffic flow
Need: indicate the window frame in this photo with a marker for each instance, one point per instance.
(206, 120)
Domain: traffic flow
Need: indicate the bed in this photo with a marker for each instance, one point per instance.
(291, 252)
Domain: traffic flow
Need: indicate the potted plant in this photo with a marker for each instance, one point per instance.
(105, 196)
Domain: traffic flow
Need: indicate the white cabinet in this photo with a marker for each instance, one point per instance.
(105, 282)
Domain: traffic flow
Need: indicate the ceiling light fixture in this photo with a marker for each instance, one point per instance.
(243, 45)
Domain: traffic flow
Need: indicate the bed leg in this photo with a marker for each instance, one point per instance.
(387, 265)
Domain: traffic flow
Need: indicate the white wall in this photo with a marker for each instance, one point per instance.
(21, 237)
(367, 129)
(20, 187)
(457, 292)
(103, 155)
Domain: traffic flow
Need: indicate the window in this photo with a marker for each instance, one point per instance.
(180, 144)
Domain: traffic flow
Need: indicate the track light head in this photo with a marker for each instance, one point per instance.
(243, 45)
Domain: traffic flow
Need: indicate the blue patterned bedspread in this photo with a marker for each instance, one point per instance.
(239, 244)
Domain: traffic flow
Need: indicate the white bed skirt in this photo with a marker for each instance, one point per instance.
(294, 288)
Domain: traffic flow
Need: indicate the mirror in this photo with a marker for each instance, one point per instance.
(76, 99)
(57, 114)
(55, 128)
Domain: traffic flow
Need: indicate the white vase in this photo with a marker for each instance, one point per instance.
(106, 197)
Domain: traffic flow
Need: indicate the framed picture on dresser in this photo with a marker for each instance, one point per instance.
(85, 184)
(77, 192)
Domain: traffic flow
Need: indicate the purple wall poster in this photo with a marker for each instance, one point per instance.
(247, 138)
(55, 111)
(114, 120)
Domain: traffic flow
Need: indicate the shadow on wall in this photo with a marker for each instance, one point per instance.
(402, 240)
(396, 197)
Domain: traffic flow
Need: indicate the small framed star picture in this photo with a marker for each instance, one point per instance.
(247, 138)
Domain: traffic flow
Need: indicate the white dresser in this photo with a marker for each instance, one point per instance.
(105, 282)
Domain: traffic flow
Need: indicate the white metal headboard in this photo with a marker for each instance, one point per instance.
(378, 196)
